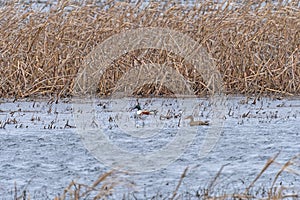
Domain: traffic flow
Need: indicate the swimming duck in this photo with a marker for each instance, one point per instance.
(196, 123)
(141, 111)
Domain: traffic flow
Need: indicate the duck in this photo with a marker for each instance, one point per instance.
(141, 111)
(196, 123)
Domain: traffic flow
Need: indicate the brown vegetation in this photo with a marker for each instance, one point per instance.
(105, 186)
(255, 45)
(277, 191)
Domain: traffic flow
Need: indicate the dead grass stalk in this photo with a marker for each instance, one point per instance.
(255, 45)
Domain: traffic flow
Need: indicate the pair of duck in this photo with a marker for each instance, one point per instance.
(192, 122)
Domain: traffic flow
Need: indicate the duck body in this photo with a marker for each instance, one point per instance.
(196, 123)
(144, 112)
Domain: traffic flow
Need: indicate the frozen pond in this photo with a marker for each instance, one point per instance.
(42, 152)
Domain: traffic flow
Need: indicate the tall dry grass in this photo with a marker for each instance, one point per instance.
(277, 191)
(106, 186)
(255, 45)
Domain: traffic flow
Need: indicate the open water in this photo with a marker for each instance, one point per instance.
(41, 151)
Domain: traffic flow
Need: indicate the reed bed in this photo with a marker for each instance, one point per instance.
(255, 45)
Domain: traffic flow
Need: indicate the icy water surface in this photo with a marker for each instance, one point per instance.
(41, 151)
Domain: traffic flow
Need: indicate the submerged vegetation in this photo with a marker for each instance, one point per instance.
(255, 45)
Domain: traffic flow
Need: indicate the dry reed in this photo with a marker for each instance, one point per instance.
(105, 186)
(276, 192)
(102, 188)
(255, 45)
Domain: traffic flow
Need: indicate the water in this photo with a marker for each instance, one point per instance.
(41, 154)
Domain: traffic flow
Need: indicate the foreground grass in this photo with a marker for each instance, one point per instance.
(255, 46)
(105, 187)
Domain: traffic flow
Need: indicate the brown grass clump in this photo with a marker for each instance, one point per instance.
(255, 45)
(102, 188)
(275, 192)
(106, 185)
